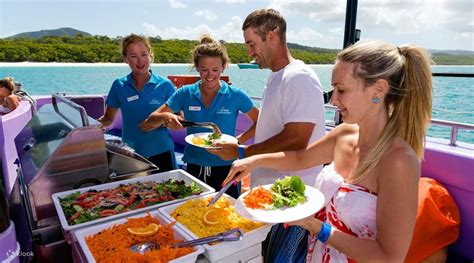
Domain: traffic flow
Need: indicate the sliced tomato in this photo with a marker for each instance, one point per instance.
(84, 195)
(107, 212)
(76, 215)
(86, 204)
(141, 204)
(154, 200)
(106, 194)
(132, 199)
(121, 201)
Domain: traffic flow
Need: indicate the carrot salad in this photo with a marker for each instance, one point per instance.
(113, 244)
(258, 198)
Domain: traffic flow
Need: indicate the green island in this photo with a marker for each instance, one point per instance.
(94, 49)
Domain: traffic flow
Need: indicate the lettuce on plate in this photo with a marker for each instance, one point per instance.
(288, 192)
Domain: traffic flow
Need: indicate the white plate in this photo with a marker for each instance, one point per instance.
(204, 135)
(312, 205)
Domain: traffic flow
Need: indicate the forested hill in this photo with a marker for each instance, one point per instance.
(64, 31)
(91, 49)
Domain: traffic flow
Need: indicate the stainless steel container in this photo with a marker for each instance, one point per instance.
(125, 163)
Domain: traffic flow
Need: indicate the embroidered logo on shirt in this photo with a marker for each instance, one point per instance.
(132, 98)
(155, 102)
(195, 108)
(223, 110)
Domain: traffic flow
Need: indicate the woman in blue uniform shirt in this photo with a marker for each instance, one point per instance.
(137, 95)
(207, 100)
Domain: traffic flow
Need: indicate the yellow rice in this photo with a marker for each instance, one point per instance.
(191, 215)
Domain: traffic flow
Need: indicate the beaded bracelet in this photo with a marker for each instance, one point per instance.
(324, 233)
(240, 150)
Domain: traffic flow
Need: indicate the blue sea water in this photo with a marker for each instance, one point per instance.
(453, 97)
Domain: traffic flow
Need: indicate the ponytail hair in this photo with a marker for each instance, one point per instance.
(208, 47)
(409, 98)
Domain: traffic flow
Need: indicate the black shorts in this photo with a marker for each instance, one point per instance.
(165, 161)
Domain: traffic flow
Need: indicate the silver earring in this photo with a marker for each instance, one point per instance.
(376, 100)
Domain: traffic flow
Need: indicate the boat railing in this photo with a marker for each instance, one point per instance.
(455, 126)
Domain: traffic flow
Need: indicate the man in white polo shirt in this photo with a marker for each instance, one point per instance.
(291, 117)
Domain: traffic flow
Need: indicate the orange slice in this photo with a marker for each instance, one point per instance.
(149, 230)
(211, 216)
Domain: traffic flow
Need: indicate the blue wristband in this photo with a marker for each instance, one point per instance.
(240, 150)
(324, 233)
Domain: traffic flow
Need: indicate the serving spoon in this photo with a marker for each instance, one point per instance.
(230, 235)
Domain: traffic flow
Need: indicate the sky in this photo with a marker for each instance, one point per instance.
(432, 24)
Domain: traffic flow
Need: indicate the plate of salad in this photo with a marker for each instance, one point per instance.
(286, 200)
(206, 139)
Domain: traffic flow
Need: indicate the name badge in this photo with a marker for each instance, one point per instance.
(132, 98)
(194, 108)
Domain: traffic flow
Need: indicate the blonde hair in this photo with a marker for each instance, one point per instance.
(208, 47)
(409, 98)
(8, 83)
(132, 39)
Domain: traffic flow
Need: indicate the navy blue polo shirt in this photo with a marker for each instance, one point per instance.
(223, 111)
(136, 106)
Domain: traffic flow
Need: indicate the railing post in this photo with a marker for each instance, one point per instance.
(454, 136)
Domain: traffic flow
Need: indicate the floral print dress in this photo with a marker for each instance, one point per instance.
(349, 208)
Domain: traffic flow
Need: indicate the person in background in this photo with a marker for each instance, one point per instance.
(384, 94)
(8, 100)
(207, 100)
(291, 116)
(137, 95)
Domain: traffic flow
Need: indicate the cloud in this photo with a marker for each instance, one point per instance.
(400, 17)
(230, 1)
(176, 4)
(421, 17)
(406, 17)
(461, 20)
(421, 21)
(317, 10)
(310, 37)
(229, 31)
(208, 14)
(303, 35)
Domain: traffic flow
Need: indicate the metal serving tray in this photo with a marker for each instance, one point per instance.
(82, 234)
(225, 251)
(159, 177)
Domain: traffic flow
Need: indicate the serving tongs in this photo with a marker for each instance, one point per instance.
(210, 125)
(235, 234)
(222, 191)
